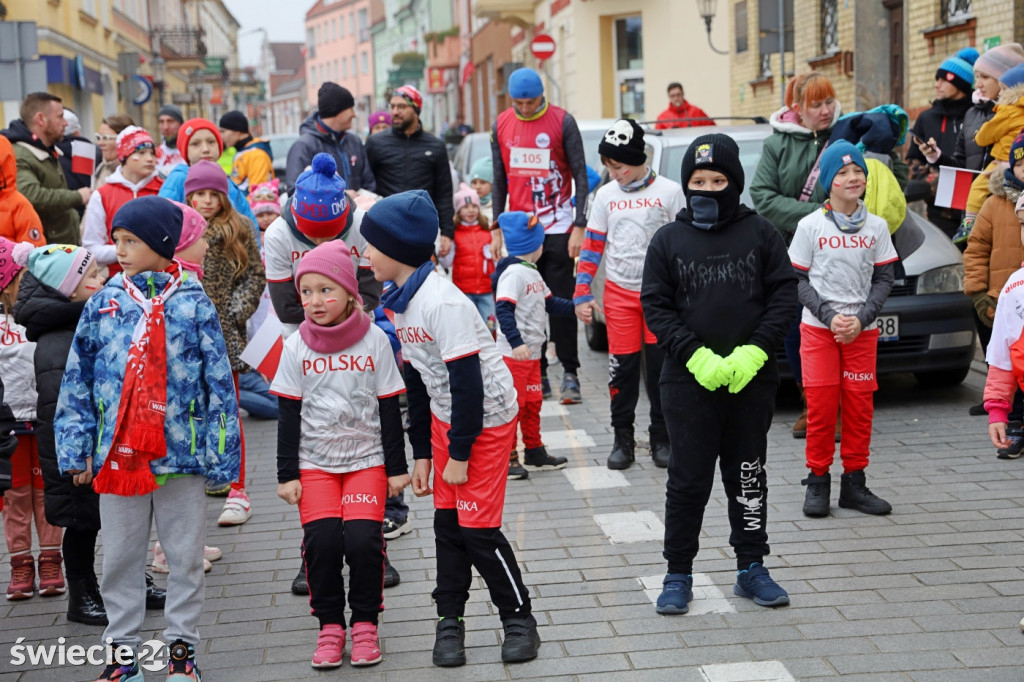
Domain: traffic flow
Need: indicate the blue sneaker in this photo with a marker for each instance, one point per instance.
(676, 591)
(570, 390)
(755, 583)
(115, 672)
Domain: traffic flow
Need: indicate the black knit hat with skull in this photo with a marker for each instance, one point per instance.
(624, 142)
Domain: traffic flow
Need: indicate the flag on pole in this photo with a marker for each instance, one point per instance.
(83, 157)
(954, 186)
(264, 351)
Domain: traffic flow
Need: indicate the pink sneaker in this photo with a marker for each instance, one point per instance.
(365, 647)
(330, 647)
(237, 509)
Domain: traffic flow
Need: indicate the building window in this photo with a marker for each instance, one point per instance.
(829, 26)
(629, 49)
(365, 62)
(352, 23)
(312, 76)
(344, 67)
(766, 66)
(740, 22)
(89, 7)
(954, 10)
(335, 70)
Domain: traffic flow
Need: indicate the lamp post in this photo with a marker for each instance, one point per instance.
(159, 67)
(707, 9)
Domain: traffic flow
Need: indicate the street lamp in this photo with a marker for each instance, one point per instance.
(159, 67)
(707, 12)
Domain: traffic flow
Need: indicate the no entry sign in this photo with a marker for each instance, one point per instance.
(542, 46)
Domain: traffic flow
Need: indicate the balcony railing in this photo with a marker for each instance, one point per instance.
(179, 42)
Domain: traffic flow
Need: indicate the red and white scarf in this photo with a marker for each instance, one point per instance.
(139, 434)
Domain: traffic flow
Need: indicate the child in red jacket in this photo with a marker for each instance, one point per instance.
(470, 260)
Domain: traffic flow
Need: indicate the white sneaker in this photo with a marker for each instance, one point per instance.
(237, 509)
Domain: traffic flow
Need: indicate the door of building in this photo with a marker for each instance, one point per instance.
(895, 8)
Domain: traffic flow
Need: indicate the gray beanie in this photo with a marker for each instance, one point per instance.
(999, 59)
(172, 111)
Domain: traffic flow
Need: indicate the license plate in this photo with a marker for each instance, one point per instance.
(888, 327)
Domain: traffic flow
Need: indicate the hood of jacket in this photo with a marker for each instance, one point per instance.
(19, 132)
(118, 178)
(311, 127)
(258, 143)
(41, 309)
(785, 120)
(8, 170)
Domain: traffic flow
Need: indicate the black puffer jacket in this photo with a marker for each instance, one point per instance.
(50, 319)
(967, 153)
(402, 162)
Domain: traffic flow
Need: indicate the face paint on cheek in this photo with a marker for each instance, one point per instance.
(305, 304)
(90, 287)
(331, 300)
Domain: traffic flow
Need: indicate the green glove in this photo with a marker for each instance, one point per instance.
(982, 302)
(745, 362)
(708, 368)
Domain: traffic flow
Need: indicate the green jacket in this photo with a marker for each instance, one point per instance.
(42, 181)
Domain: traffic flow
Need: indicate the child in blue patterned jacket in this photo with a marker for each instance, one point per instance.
(148, 404)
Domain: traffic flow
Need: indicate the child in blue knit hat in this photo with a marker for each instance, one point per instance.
(844, 260)
(462, 420)
(523, 304)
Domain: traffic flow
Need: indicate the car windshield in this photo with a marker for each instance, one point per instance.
(279, 146)
(750, 153)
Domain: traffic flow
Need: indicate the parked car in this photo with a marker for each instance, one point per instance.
(280, 143)
(927, 324)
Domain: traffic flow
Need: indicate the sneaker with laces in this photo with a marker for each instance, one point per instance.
(128, 672)
(182, 663)
(449, 643)
(396, 528)
(365, 645)
(214, 489)
(538, 459)
(755, 583)
(51, 577)
(571, 390)
(676, 594)
(330, 647)
(1014, 434)
(516, 471)
(237, 509)
(521, 642)
(23, 577)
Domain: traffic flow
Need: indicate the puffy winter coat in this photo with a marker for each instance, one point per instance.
(347, 150)
(471, 270)
(201, 420)
(1005, 125)
(19, 222)
(994, 250)
(968, 153)
(253, 164)
(42, 181)
(50, 319)
(402, 162)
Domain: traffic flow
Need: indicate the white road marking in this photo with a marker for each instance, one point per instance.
(593, 478)
(625, 527)
(707, 597)
(757, 671)
(567, 439)
(552, 409)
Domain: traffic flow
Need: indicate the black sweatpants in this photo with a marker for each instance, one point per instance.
(558, 271)
(624, 388)
(703, 427)
(79, 551)
(327, 543)
(459, 549)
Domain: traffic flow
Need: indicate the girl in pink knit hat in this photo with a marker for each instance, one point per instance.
(471, 260)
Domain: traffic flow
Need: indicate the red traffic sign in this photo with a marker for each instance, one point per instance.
(542, 46)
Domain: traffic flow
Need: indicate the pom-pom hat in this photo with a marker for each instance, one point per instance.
(60, 266)
(319, 206)
(838, 154)
(522, 232)
(13, 258)
(264, 197)
(333, 260)
(403, 226)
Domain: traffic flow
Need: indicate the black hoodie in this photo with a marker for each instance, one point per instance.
(50, 319)
(721, 288)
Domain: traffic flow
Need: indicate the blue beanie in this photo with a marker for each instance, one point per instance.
(403, 226)
(835, 156)
(958, 70)
(1013, 77)
(525, 83)
(319, 205)
(523, 233)
(154, 220)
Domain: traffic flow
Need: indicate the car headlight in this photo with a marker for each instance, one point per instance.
(945, 280)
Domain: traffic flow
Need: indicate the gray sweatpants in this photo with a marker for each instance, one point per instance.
(179, 508)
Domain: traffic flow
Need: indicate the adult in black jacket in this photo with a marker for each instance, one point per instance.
(409, 157)
(719, 293)
(73, 133)
(50, 319)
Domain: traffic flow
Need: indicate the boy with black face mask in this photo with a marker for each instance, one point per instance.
(719, 293)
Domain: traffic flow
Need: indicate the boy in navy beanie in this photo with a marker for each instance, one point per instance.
(524, 302)
(719, 293)
(462, 420)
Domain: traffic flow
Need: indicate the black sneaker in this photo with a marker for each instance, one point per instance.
(521, 641)
(395, 528)
(571, 390)
(155, 596)
(545, 388)
(1014, 434)
(299, 585)
(391, 576)
(450, 643)
(538, 459)
(854, 494)
(182, 666)
(516, 471)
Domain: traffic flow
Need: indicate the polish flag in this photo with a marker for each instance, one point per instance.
(954, 186)
(83, 157)
(264, 351)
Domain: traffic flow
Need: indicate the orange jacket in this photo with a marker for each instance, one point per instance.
(19, 222)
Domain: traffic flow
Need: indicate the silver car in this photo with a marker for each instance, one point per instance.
(927, 324)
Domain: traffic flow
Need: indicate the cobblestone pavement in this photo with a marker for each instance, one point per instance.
(931, 592)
